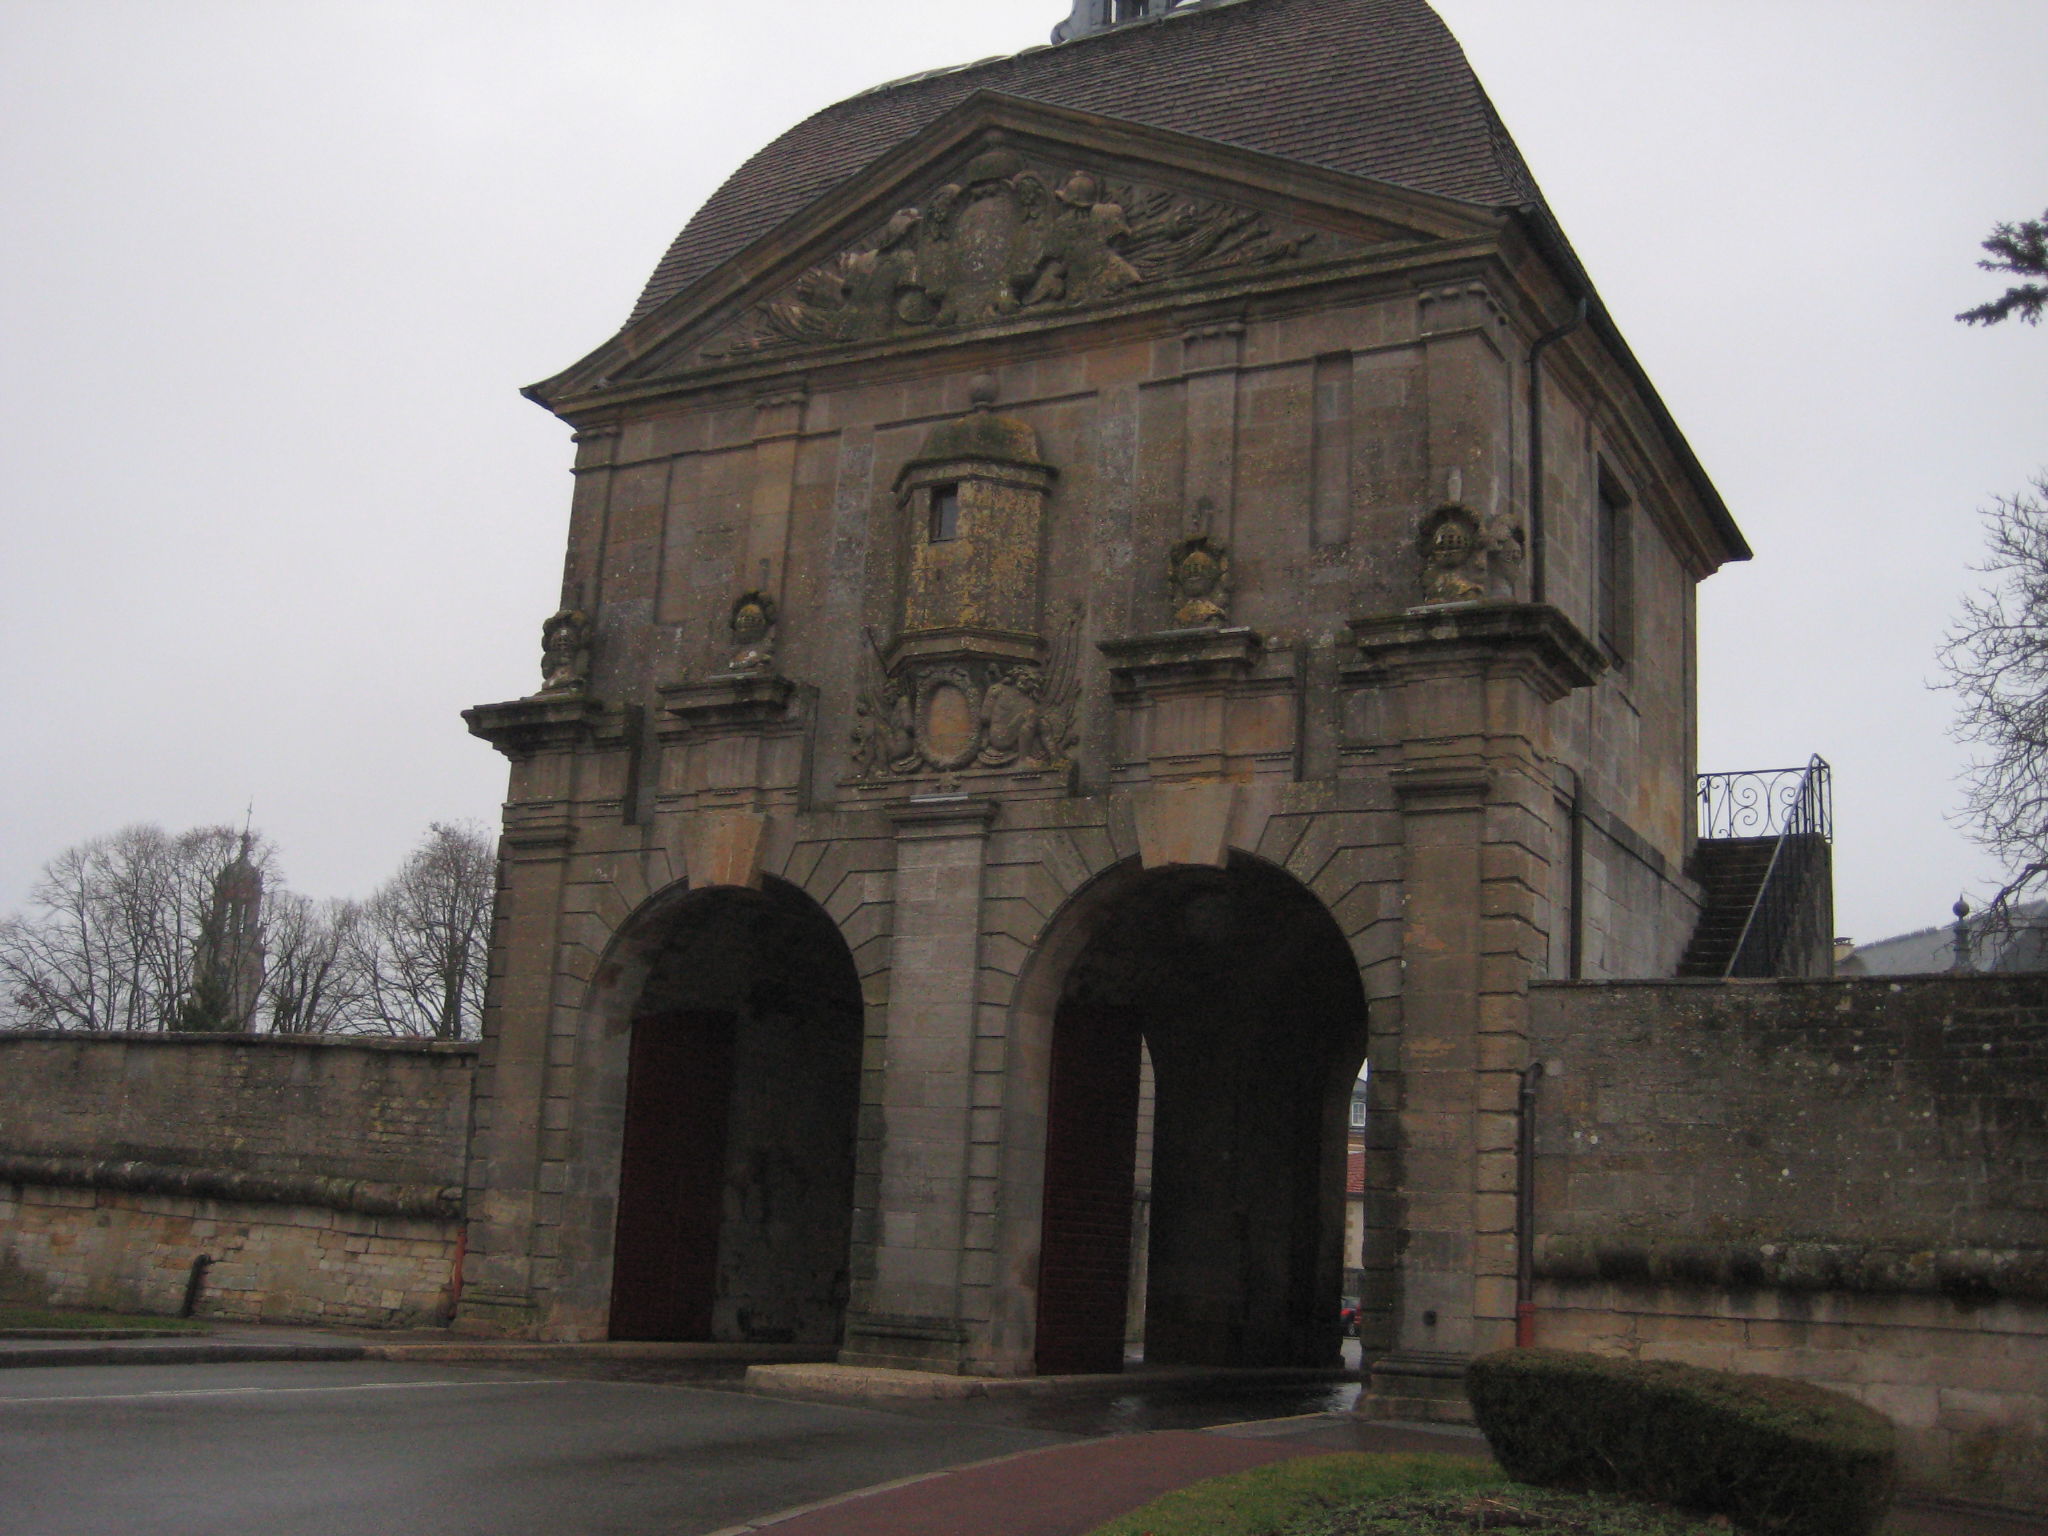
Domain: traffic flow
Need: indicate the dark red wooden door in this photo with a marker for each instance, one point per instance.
(1091, 1139)
(672, 1178)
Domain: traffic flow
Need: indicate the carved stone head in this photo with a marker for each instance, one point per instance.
(565, 651)
(752, 624)
(1198, 570)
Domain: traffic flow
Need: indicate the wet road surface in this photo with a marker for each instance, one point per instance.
(364, 1449)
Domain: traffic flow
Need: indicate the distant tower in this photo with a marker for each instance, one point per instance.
(227, 973)
(1100, 15)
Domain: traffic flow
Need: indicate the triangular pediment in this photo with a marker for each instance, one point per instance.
(1009, 213)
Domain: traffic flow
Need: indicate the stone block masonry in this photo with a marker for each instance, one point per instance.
(1840, 1180)
(321, 1177)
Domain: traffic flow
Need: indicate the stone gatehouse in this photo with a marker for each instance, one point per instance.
(1106, 590)
(1122, 582)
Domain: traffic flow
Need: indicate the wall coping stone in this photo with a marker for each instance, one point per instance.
(368, 1197)
(400, 1045)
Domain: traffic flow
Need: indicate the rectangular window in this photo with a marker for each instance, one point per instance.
(1358, 1114)
(1615, 562)
(945, 514)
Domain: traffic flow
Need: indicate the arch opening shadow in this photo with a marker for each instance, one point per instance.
(742, 1094)
(1239, 985)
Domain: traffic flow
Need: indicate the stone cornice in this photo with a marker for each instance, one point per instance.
(731, 700)
(1535, 638)
(1171, 657)
(543, 722)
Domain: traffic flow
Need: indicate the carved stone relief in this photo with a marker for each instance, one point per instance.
(565, 652)
(945, 714)
(1465, 561)
(752, 625)
(1198, 571)
(1007, 238)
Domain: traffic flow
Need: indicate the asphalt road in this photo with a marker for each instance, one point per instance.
(371, 1449)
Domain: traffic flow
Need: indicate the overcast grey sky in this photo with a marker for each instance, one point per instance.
(274, 270)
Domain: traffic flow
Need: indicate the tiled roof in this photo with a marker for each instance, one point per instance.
(1376, 88)
(1354, 1172)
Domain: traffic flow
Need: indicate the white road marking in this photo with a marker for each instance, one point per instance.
(365, 1386)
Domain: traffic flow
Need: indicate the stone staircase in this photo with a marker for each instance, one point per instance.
(1731, 872)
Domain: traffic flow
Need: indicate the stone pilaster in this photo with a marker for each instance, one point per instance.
(908, 1311)
(1467, 688)
(541, 736)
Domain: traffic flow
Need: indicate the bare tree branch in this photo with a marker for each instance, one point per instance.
(1996, 659)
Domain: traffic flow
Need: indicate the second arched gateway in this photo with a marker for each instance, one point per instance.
(1069, 645)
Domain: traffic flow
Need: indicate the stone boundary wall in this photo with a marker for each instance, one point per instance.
(1844, 1180)
(321, 1177)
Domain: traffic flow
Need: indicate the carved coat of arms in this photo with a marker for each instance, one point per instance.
(972, 712)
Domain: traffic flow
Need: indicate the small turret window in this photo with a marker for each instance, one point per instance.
(945, 514)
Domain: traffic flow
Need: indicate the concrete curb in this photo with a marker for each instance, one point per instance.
(452, 1352)
(20, 1352)
(23, 1355)
(863, 1383)
(84, 1335)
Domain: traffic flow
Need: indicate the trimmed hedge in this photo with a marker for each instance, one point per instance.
(1774, 1455)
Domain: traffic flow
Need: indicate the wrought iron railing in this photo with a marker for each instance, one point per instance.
(1761, 802)
(1787, 932)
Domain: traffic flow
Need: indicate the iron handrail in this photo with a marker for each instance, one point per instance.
(1749, 803)
(1809, 818)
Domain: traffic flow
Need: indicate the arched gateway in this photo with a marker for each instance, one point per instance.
(1238, 991)
(737, 1137)
(1067, 570)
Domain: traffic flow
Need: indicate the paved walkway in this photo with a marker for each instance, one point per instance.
(1066, 1490)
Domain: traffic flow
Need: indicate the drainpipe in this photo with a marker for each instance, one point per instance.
(1576, 960)
(1525, 1206)
(1542, 344)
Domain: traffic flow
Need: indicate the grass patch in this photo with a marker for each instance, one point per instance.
(1284, 1496)
(1515, 1508)
(12, 1316)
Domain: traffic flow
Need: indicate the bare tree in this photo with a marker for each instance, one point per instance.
(420, 945)
(310, 986)
(1996, 658)
(114, 932)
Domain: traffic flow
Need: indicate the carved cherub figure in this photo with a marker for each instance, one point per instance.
(565, 652)
(1198, 570)
(1453, 561)
(753, 633)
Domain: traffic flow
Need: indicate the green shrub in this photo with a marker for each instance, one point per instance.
(1774, 1455)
